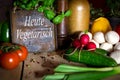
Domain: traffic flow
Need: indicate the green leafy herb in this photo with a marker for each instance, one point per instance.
(45, 6)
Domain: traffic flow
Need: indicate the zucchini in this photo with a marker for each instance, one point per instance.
(89, 58)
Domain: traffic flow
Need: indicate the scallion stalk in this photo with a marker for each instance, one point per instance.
(64, 68)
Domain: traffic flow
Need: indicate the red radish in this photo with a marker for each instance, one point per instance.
(76, 43)
(91, 46)
(84, 39)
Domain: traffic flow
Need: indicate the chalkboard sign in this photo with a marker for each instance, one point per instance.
(34, 30)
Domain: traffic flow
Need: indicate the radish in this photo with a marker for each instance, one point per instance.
(88, 33)
(91, 46)
(80, 43)
(96, 43)
(76, 43)
(84, 39)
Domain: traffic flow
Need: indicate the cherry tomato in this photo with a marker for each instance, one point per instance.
(9, 60)
(24, 49)
(22, 52)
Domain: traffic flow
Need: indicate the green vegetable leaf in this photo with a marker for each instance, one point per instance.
(68, 13)
(49, 14)
(58, 19)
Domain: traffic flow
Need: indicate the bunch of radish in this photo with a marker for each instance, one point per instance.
(84, 41)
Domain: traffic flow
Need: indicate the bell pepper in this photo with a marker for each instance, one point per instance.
(5, 32)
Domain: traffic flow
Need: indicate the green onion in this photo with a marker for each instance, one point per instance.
(55, 76)
(69, 72)
(64, 68)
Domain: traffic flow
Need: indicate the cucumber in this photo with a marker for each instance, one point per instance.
(89, 58)
(101, 51)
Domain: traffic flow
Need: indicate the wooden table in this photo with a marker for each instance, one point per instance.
(37, 65)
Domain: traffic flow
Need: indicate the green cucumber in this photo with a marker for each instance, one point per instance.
(101, 51)
(89, 58)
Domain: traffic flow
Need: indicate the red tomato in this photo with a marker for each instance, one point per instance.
(24, 49)
(9, 60)
(22, 52)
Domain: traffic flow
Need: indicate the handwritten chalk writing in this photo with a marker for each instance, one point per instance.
(34, 30)
(29, 21)
(24, 35)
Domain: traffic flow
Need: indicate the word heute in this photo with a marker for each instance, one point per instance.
(34, 22)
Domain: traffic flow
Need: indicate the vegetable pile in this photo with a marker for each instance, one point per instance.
(100, 63)
(11, 55)
(83, 50)
(99, 50)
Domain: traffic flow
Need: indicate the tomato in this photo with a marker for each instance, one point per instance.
(24, 49)
(9, 60)
(22, 52)
(12, 55)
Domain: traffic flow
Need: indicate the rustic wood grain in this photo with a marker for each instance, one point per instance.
(38, 65)
(14, 74)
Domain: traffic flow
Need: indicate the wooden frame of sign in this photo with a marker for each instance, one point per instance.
(34, 30)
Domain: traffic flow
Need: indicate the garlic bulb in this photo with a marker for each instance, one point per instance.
(117, 46)
(116, 56)
(106, 46)
(99, 37)
(112, 37)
